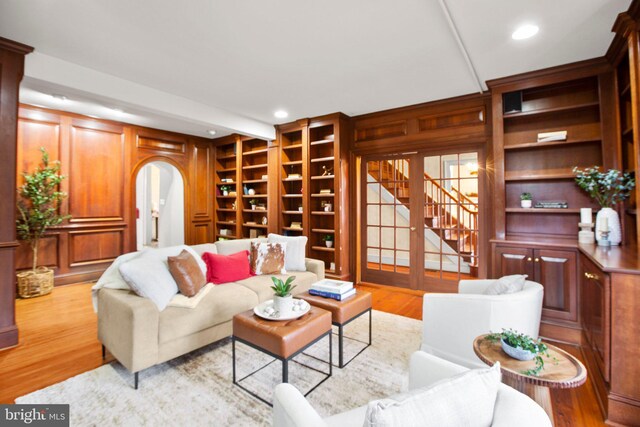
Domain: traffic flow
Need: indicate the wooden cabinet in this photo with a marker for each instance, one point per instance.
(595, 304)
(555, 269)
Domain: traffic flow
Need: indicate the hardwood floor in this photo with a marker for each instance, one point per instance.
(58, 339)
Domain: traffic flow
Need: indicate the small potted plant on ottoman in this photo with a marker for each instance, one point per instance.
(282, 298)
(525, 200)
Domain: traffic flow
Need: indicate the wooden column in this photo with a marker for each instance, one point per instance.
(11, 72)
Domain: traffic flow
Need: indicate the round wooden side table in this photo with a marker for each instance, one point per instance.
(565, 372)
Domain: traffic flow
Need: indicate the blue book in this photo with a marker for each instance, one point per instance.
(337, 297)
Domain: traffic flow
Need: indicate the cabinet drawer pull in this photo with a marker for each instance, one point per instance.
(537, 259)
(529, 259)
(591, 276)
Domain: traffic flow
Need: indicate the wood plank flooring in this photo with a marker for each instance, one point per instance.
(58, 339)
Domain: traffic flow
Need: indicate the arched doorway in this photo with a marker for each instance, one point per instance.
(159, 206)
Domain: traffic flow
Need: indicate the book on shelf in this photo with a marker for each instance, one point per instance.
(325, 191)
(296, 225)
(560, 135)
(294, 176)
(333, 286)
(552, 204)
(337, 297)
(265, 177)
(227, 180)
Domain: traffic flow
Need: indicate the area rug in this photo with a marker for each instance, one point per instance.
(196, 389)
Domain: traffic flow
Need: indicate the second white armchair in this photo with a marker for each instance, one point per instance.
(451, 322)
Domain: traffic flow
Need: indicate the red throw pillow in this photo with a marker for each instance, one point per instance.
(227, 268)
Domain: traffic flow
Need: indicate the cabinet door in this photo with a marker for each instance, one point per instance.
(513, 260)
(557, 271)
(594, 308)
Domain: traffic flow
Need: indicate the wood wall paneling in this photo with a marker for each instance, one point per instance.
(87, 247)
(48, 253)
(202, 196)
(97, 165)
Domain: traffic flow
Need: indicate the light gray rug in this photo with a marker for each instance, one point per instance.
(196, 389)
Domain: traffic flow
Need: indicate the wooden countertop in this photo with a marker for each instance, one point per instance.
(614, 259)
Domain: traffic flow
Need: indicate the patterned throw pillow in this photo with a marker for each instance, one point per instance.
(267, 258)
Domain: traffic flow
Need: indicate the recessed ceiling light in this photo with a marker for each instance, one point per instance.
(211, 132)
(59, 97)
(524, 32)
(281, 114)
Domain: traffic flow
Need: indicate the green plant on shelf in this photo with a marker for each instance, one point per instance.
(327, 238)
(253, 202)
(283, 288)
(526, 196)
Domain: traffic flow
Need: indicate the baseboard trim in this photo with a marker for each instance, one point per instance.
(8, 337)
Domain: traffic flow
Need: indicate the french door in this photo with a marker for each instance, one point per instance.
(419, 221)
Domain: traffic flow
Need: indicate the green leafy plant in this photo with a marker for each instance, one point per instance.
(526, 196)
(225, 188)
(283, 289)
(525, 342)
(607, 188)
(39, 201)
(327, 238)
(253, 202)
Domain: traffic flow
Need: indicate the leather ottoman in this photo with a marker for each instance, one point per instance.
(282, 340)
(342, 313)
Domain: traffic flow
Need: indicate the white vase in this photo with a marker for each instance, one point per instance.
(283, 305)
(525, 203)
(329, 243)
(613, 222)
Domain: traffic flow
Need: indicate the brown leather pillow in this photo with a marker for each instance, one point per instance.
(187, 273)
(267, 258)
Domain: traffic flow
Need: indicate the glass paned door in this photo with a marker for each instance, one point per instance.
(386, 221)
(451, 216)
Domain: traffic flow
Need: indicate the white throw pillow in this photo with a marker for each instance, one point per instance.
(111, 278)
(183, 301)
(506, 285)
(467, 399)
(148, 275)
(296, 250)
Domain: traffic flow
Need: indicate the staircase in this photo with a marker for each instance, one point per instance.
(450, 214)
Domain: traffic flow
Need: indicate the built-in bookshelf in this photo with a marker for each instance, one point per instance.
(545, 169)
(313, 202)
(226, 191)
(292, 172)
(254, 178)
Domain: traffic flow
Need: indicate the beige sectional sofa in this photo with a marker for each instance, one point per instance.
(138, 335)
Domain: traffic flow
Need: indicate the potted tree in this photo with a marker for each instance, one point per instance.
(39, 201)
(282, 298)
(328, 240)
(525, 200)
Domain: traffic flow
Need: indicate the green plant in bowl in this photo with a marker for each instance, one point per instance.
(520, 345)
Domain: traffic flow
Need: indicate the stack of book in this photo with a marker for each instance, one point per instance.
(335, 289)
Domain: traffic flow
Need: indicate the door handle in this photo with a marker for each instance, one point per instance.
(412, 228)
(591, 276)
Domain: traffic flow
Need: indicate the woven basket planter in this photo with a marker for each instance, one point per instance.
(34, 284)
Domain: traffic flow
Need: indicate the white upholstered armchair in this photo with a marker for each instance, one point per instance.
(291, 409)
(450, 322)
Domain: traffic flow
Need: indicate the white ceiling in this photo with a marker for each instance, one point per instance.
(200, 64)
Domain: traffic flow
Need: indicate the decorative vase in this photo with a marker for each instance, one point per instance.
(283, 305)
(252, 192)
(299, 208)
(253, 207)
(525, 203)
(517, 352)
(329, 243)
(613, 224)
(328, 207)
(225, 193)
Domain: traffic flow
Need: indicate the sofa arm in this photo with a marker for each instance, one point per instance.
(291, 409)
(315, 266)
(128, 328)
(426, 369)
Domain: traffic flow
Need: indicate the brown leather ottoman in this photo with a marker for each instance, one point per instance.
(282, 340)
(342, 313)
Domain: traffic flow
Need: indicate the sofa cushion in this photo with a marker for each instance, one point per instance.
(185, 271)
(294, 255)
(506, 285)
(228, 247)
(464, 400)
(261, 285)
(227, 268)
(267, 258)
(205, 247)
(219, 305)
(150, 278)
